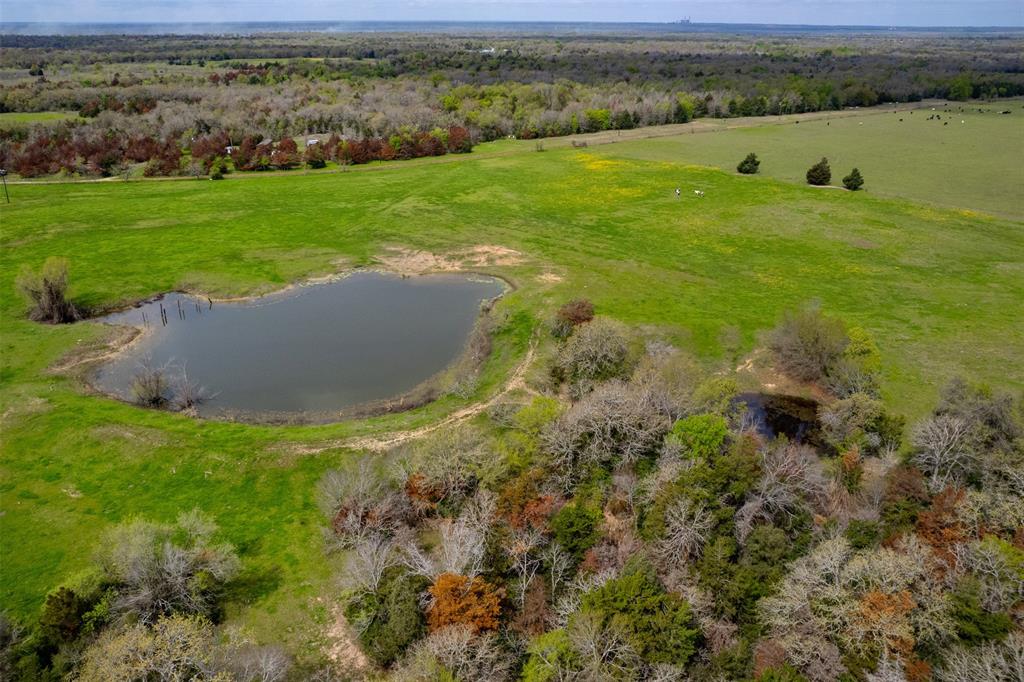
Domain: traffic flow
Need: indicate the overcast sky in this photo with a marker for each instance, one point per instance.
(860, 12)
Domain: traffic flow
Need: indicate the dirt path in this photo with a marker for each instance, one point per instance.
(378, 443)
(342, 649)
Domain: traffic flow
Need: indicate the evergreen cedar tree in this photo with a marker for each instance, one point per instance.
(854, 181)
(749, 165)
(819, 174)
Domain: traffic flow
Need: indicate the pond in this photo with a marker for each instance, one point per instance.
(791, 416)
(316, 348)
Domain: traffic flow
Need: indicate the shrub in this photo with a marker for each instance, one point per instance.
(975, 625)
(314, 156)
(571, 315)
(859, 421)
(806, 343)
(46, 292)
(61, 619)
(176, 648)
(617, 422)
(819, 173)
(576, 527)
(549, 655)
(701, 436)
(857, 371)
(854, 181)
(395, 618)
(150, 387)
(905, 496)
(749, 165)
(595, 351)
(862, 534)
(658, 625)
(786, 673)
(994, 419)
(459, 600)
(157, 570)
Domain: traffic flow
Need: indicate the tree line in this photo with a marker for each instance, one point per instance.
(361, 87)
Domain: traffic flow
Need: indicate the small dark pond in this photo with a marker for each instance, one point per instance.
(318, 348)
(791, 416)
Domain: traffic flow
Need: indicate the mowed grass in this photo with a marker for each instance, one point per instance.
(940, 290)
(971, 163)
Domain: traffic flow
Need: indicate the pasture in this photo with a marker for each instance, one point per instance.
(901, 154)
(939, 288)
(16, 119)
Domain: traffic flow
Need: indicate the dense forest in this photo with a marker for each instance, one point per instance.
(150, 100)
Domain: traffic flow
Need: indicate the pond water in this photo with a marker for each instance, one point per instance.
(791, 416)
(318, 348)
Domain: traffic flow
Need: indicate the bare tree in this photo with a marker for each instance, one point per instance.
(244, 661)
(1002, 586)
(150, 386)
(616, 421)
(992, 662)
(688, 526)
(595, 351)
(455, 649)
(788, 480)
(888, 670)
(46, 291)
(360, 504)
(666, 672)
(572, 597)
(370, 557)
(944, 449)
(522, 550)
(160, 570)
(174, 648)
(188, 394)
(806, 343)
(463, 542)
(604, 651)
(449, 462)
(809, 608)
(560, 565)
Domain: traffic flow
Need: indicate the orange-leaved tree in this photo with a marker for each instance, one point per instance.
(459, 600)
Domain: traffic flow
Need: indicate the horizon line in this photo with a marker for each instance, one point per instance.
(675, 22)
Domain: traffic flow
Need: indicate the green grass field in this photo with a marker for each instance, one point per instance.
(970, 165)
(940, 289)
(14, 119)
